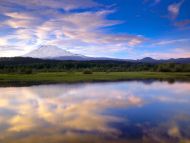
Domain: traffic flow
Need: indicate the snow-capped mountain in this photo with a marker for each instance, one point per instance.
(55, 53)
(50, 52)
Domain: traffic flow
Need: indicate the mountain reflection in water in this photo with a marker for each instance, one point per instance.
(116, 112)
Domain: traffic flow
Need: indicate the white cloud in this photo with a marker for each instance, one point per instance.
(9, 50)
(46, 25)
(3, 41)
(17, 15)
(173, 41)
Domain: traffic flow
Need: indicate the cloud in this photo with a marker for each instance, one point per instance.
(166, 48)
(42, 22)
(3, 41)
(182, 23)
(176, 53)
(174, 9)
(18, 20)
(58, 111)
(136, 41)
(74, 27)
(10, 48)
(17, 15)
(172, 41)
(155, 1)
(14, 23)
(54, 4)
(72, 110)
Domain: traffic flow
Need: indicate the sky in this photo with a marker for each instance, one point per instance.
(130, 29)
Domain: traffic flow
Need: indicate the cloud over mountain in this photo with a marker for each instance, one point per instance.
(89, 27)
(34, 26)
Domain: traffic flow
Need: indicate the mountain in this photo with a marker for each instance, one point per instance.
(50, 52)
(147, 60)
(55, 53)
(154, 61)
(180, 60)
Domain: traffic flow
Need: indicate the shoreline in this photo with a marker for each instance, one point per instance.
(78, 77)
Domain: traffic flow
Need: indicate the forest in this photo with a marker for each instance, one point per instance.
(31, 65)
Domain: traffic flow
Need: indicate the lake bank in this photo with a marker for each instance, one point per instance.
(72, 77)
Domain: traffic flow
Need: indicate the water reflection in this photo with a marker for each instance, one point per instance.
(98, 112)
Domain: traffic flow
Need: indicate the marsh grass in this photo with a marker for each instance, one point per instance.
(71, 77)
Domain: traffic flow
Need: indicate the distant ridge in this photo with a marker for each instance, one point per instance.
(172, 60)
(55, 53)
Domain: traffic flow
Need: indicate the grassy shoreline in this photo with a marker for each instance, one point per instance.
(64, 77)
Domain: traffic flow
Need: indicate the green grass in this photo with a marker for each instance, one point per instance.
(64, 77)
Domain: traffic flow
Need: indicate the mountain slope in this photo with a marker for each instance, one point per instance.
(55, 53)
(50, 52)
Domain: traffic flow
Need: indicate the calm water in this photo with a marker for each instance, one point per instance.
(119, 112)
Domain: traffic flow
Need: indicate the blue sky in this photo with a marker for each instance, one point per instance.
(130, 29)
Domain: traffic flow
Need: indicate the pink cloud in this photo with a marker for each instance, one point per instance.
(182, 23)
(174, 9)
(173, 54)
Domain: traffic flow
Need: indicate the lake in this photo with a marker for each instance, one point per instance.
(107, 112)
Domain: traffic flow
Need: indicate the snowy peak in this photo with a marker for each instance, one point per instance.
(47, 51)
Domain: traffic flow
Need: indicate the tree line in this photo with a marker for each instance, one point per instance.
(31, 65)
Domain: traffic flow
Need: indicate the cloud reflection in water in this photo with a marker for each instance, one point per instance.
(85, 112)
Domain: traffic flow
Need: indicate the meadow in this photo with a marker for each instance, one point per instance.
(72, 77)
